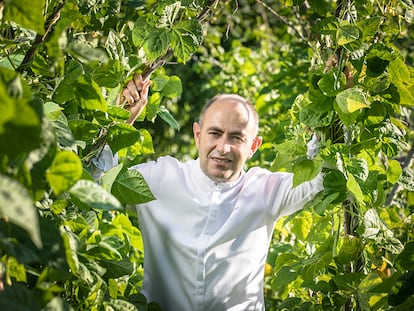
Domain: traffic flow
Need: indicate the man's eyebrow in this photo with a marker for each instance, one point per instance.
(215, 128)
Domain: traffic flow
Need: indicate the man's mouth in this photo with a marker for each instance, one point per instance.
(221, 160)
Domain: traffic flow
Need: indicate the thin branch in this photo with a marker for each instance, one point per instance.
(39, 39)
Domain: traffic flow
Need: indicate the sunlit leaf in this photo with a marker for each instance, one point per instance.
(347, 33)
(394, 171)
(353, 186)
(88, 94)
(65, 171)
(27, 13)
(351, 100)
(88, 194)
(304, 170)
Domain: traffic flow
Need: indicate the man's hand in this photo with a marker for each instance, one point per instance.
(134, 96)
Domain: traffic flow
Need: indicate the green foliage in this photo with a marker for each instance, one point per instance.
(340, 69)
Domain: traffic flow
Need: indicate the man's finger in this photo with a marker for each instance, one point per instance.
(133, 90)
(145, 88)
(138, 81)
(128, 97)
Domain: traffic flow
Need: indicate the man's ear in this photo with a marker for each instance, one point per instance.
(196, 133)
(257, 142)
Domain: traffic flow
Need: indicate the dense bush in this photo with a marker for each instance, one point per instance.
(340, 69)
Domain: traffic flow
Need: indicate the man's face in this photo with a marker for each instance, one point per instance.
(225, 139)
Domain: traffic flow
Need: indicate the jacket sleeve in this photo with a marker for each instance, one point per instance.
(286, 199)
(102, 162)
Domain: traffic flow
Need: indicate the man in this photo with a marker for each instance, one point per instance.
(207, 234)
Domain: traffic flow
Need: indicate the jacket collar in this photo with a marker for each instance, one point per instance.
(207, 183)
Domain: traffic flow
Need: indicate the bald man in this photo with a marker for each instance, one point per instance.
(207, 233)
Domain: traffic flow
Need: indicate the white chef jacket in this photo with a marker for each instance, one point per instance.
(206, 242)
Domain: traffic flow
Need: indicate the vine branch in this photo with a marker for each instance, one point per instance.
(50, 23)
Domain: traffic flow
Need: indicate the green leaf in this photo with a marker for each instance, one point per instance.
(20, 122)
(186, 38)
(406, 258)
(18, 298)
(157, 44)
(317, 114)
(165, 114)
(73, 71)
(172, 88)
(117, 268)
(15, 270)
(121, 136)
(119, 113)
(346, 33)
(377, 59)
(375, 229)
(83, 129)
(348, 281)
(304, 170)
(110, 74)
(87, 194)
(119, 304)
(88, 95)
(401, 79)
(301, 225)
(369, 27)
(351, 100)
(331, 83)
(107, 247)
(326, 26)
(350, 248)
(108, 178)
(394, 171)
(64, 134)
(114, 46)
(26, 13)
(399, 71)
(112, 288)
(141, 31)
(168, 15)
(353, 187)
(147, 146)
(286, 153)
(285, 260)
(7, 108)
(335, 182)
(85, 53)
(17, 205)
(65, 170)
(63, 93)
(52, 110)
(71, 243)
(131, 188)
(58, 304)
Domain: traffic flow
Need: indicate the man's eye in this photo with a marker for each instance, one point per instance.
(215, 134)
(238, 138)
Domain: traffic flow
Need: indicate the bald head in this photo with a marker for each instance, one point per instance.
(222, 99)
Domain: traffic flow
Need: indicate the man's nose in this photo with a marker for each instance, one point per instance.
(223, 146)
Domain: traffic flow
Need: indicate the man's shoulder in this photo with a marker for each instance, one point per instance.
(257, 173)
